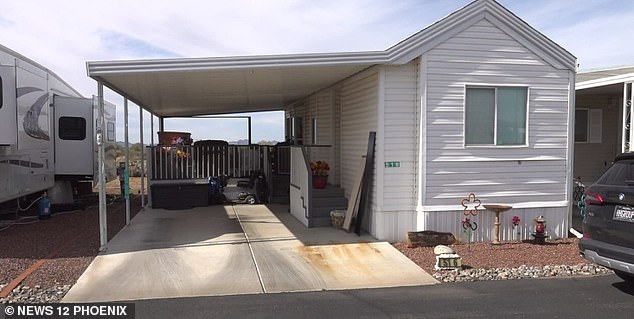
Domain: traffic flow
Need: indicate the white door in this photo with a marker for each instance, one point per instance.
(73, 136)
(8, 116)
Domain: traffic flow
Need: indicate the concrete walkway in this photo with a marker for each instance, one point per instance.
(241, 249)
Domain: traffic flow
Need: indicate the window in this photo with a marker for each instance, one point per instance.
(110, 132)
(1, 95)
(588, 125)
(496, 116)
(72, 128)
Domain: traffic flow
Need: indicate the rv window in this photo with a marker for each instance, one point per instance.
(72, 128)
(110, 132)
(1, 96)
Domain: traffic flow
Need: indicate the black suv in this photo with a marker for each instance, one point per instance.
(608, 225)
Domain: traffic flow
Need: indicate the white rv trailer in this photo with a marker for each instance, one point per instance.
(47, 132)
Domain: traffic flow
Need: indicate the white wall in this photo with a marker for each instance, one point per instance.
(398, 133)
(359, 102)
(534, 178)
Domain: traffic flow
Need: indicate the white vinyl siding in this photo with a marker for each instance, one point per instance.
(319, 108)
(485, 55)
(359, 98)
(400, 136)
(400, 140)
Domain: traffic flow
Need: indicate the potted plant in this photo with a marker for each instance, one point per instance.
(320, 173)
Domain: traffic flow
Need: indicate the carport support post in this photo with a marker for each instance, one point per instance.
(103, 219)
(127, 162)
(142, 157)
(627, 109)
(249, 120)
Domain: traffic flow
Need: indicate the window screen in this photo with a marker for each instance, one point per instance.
(72, 128)
(496, 116)
(511, 120)
(480, 115)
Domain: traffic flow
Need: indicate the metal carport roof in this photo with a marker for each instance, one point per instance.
(186, 87)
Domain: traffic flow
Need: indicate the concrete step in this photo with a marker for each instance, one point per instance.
(329, 191)
(317, 212)
(319, 202)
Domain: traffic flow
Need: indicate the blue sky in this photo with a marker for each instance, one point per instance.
(63, 35)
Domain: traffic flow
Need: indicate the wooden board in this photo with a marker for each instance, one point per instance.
(353, 203)
(366, 190)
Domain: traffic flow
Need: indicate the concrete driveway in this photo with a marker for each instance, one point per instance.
(241, 249)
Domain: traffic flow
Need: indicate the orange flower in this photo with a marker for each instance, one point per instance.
(319, 168)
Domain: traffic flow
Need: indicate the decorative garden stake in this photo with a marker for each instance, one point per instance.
(470, 204)
(468, 227)
(516, 230)
(540, 230)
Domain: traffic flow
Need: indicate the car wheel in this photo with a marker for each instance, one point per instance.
(250, 200)
(627, 277)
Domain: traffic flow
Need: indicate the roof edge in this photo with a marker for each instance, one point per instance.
(397, 54)
(474, 10)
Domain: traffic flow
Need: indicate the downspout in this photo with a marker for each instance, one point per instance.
(571, 148)
(627, 103)
(421, 223)
(624, 112)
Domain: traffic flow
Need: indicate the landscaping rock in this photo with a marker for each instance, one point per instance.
(442, 249)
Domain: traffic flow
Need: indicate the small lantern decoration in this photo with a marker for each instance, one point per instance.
(540, 230)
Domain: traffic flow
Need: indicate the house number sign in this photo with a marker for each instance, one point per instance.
(392, 164)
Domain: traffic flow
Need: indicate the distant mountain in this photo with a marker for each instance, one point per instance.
(239, 142)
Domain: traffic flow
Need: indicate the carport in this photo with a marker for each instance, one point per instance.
(232, 249)
(214, 86)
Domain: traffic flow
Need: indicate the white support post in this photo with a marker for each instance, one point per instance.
(142, 157)
(628, 107)
(127, 162)
(103, 217)
(624, 112)
(151, 129)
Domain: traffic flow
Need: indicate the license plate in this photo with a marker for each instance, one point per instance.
(624, 213)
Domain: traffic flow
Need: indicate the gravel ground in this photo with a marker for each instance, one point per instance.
(69, 241)
(510, 260)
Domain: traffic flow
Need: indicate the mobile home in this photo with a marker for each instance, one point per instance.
(478, 102)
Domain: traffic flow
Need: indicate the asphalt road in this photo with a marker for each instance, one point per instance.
(584, 297)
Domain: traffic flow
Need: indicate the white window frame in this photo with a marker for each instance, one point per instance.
(494, 86)
(594, 125)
